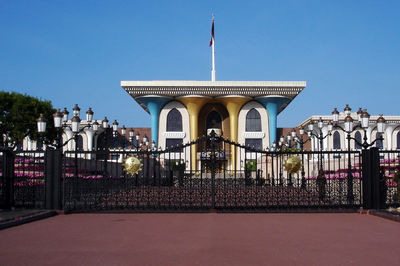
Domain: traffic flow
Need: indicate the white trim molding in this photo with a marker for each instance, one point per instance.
(253, 135)
(174, 135)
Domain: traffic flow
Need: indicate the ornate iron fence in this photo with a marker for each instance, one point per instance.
(389, 177)
(29, 179)
(224, 176)
(210, 173)
(22, 179)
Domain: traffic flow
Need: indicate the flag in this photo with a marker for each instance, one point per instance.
(212, 33)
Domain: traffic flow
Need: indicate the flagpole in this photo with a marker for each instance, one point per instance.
(213, 54)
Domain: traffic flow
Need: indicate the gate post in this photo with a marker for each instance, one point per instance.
(53, 174)
(366, 179)
(213, 161)
(372, 183)
(8, 177)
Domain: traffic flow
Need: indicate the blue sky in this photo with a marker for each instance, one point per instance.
(78, 51)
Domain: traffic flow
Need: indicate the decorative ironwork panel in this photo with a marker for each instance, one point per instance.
(390, 177)
(167, 180)
(29, 179)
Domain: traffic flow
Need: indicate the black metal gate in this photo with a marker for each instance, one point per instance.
(22, 179)
(211, 173)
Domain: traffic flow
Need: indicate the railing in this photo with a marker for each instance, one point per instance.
(22, 179)
(97, 181)
(169, 180)
(390, 177)
(29, 179)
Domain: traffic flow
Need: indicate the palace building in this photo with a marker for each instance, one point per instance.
(244, 112)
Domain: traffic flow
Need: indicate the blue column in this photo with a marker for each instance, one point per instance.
(273, 104)
(154, 105)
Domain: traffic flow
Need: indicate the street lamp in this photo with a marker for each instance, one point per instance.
(279, 147)
(301, 142)
(58, 118)
(349, 127)
(41, 124)
(65, 114)
(320, 135)
(89, 115)
(75, 123)
(76, 111)
(95, 126)
(347, 110)
(60, 121)
(131, 137)
(104, 123)
(115, 126)
(363, 124)
(138, 144)
(359, 113)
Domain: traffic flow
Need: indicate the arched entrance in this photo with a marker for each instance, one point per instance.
(214, 116)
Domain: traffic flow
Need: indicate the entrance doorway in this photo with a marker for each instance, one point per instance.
(214, 120)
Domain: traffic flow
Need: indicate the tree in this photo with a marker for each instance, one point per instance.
(18, 114)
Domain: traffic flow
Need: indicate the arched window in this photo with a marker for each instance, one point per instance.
(253, 120)
(398, 140)
(19, 146)
(39, 146)
(214, 120)
(79, 145)
(174, 120)
(379, 143)
(357, 136)
(336, 140)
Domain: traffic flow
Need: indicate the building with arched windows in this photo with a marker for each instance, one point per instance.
(337, 139)
(244, 112)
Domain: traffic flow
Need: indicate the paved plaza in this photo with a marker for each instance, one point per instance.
(203, 239)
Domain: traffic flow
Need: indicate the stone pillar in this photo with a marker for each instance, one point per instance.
(233, 104)
(154, 104)
(193, 104)
(89, 135)
(69, 135)
(325, 132)
(389, 135)
(29, 144)
(273, 103)
(369, 132)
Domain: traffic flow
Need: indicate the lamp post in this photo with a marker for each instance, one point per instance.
(301, 142)
(320, 136)
(131, 138)
(60, 120)
(279, 148)
(137, 143)
(363, 124)
(123, 133)
(349, 127)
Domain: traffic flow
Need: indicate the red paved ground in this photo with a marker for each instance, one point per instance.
(203, 239)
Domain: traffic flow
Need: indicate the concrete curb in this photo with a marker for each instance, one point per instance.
(27, 219)
(382, 214)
